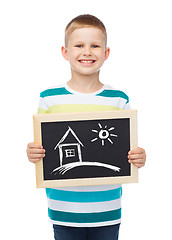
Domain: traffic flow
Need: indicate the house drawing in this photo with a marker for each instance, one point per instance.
(69, 151)
(70, 154)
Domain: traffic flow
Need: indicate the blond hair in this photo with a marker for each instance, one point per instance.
(82, 21)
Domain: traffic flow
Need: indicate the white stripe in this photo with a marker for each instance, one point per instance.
(42, 104)
(93, 100)
(84, 207)
(91, 188)
(97, 224)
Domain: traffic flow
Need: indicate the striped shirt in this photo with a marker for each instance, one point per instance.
(86, 206)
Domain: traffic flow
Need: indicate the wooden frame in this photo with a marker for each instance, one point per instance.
(40, 119)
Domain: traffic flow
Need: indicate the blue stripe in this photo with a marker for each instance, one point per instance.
(54, 91)
(72, 196)
(113, 93)
(84, 217)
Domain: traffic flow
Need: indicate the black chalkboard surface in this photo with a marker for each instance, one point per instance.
(86, 148)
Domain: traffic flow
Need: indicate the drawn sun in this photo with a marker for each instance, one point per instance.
(104, 134)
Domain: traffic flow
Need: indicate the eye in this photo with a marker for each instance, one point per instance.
(79, 46)
(95, 46)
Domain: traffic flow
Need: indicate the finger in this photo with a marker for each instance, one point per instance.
(36, 151)
(136, 156)
(138, 165)
(35, 160)
(36, 156)
(34, 145)
(137, 150)
(33, 156)
(137, 162)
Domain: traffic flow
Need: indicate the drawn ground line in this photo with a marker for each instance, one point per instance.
(63, 169)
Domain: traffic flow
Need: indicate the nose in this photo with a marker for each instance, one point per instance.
(87, 51)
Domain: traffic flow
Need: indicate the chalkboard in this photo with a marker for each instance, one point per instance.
(86, 148)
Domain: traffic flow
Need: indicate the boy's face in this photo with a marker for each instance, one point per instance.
(86, 50)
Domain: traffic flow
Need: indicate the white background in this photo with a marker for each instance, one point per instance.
(140, 64)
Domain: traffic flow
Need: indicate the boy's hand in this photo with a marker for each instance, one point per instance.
(35, 152)
(137, 157)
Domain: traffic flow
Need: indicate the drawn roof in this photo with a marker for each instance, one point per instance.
(65, 135)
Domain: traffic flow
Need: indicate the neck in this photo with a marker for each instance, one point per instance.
(85, 84)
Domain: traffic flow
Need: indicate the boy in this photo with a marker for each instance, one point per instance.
(93, 212)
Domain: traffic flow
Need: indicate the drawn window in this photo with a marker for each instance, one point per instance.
(70, 153)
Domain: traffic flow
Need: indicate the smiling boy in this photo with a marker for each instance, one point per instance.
(93, 212)
(86, 51)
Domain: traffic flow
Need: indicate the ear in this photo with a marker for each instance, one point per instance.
(64, 53)
(107, 52)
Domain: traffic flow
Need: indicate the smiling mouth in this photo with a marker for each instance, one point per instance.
(86, 61)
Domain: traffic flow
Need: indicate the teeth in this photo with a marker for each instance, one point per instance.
(86, 61)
